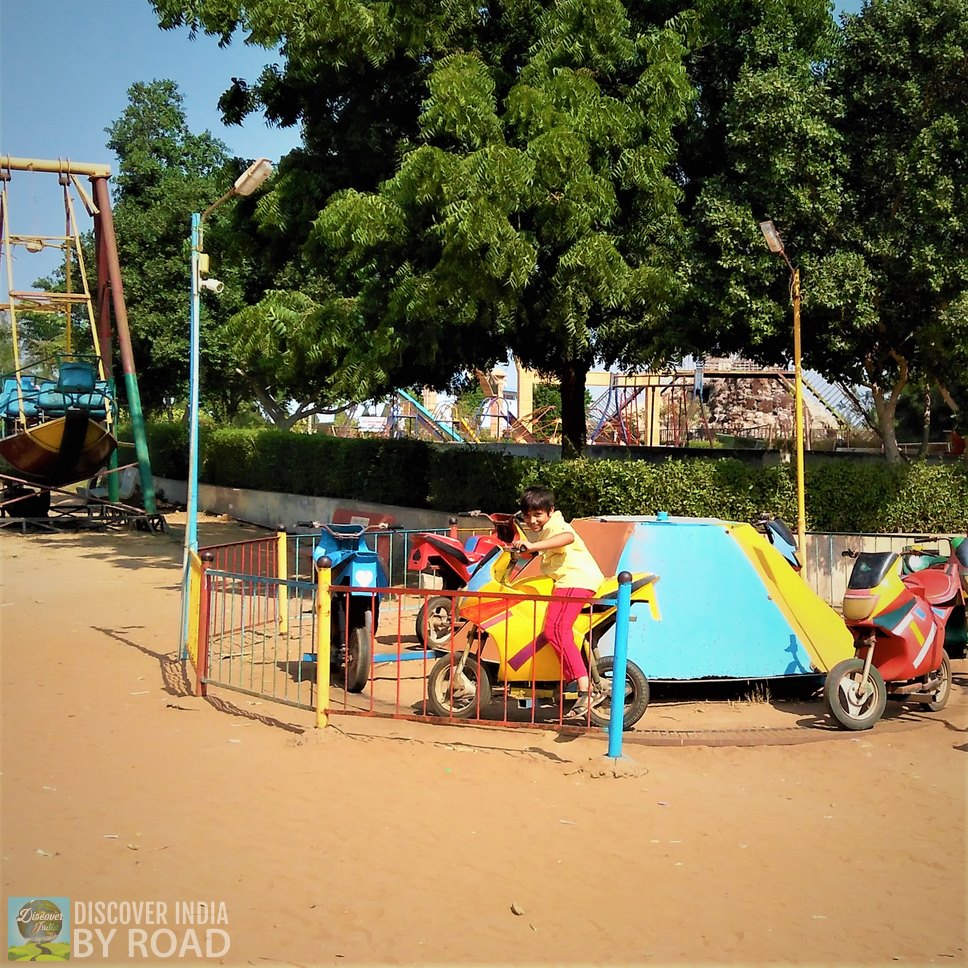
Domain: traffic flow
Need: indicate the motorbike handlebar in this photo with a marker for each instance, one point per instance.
(360, 528)
(351, 530)
(903, 553)
(504, 524)
(494, 517)
(516, 549)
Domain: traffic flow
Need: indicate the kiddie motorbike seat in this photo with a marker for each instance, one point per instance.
(937, 587)
(448, 546)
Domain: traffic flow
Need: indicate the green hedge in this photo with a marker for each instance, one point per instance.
(464, 478)
(841, 495)
(374, 470)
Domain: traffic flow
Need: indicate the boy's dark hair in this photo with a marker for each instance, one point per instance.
(537, 499)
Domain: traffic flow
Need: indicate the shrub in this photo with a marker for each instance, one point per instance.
(841, 494)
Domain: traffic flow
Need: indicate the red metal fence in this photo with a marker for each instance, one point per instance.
(259, 634)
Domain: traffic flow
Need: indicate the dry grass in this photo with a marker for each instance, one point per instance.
(759, 693)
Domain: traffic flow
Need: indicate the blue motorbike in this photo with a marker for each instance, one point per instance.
(355, 613)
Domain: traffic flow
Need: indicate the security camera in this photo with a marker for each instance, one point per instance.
(213, 285)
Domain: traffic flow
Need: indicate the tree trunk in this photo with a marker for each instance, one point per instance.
(886, 407)
(885, 404)
(926, 426)
(573, 429)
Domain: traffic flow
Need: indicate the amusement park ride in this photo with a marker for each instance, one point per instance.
(59, 406)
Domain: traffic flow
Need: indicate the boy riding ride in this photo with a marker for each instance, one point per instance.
(502, 645)
(576, 577)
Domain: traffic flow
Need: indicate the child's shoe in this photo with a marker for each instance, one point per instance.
(581, 708)
(601, 693)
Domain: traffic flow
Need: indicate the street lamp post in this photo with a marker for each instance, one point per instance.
(775, 244)
(245, 184)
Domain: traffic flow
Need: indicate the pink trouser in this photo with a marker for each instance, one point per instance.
(559, 627)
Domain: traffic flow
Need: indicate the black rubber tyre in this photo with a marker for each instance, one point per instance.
(358, 654)
(434, 622)
(636, 694)
(840, 695)
(440, 697)
(944, 688)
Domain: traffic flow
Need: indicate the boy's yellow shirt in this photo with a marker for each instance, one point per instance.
(573, 565)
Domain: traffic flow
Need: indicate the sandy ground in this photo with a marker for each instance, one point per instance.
(391, 842)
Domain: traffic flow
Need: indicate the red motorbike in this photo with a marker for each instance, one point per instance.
(454, 561)
(903, 610)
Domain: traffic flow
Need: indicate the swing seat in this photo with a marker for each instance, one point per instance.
(10, 399)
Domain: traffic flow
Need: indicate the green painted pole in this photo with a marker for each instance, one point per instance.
(103, 201)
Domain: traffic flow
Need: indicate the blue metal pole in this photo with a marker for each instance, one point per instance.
(191, 510)
(192, 522)
(619, 665)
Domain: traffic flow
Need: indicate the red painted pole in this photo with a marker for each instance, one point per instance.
(204, 609)
(104, 221)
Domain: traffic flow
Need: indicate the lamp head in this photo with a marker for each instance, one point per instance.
(772, 237)
(34, 245)
(213, 285)
(252, 177)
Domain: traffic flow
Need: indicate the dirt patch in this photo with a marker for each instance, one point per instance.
(395, 842)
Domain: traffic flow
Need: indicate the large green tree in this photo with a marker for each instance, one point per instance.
(891, 291)
(531, 175)
(354, 80)
(541, 217)
(761, 143)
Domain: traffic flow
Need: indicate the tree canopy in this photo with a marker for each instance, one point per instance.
(891, 290)
(541, 218)
(582, 182)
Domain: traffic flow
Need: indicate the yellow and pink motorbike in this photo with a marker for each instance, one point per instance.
(496, 650)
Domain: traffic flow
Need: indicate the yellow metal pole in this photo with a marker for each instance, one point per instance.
(798, 428)
(324, 578)
(61, 166)
(282, 572)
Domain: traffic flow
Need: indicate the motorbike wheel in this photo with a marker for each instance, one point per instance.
(944, 686)
(441, 697)
(636, 694)
(358, 655)
(433, 622)
(840, 695)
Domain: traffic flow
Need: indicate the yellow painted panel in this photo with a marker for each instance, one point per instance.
(194, 598)
(820, 629)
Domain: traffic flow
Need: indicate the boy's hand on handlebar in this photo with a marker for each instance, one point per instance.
(521, 546)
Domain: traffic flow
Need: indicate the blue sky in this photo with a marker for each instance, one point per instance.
(66, 66)
(65, 70)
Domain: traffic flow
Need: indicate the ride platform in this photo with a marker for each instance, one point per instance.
(29, 507)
